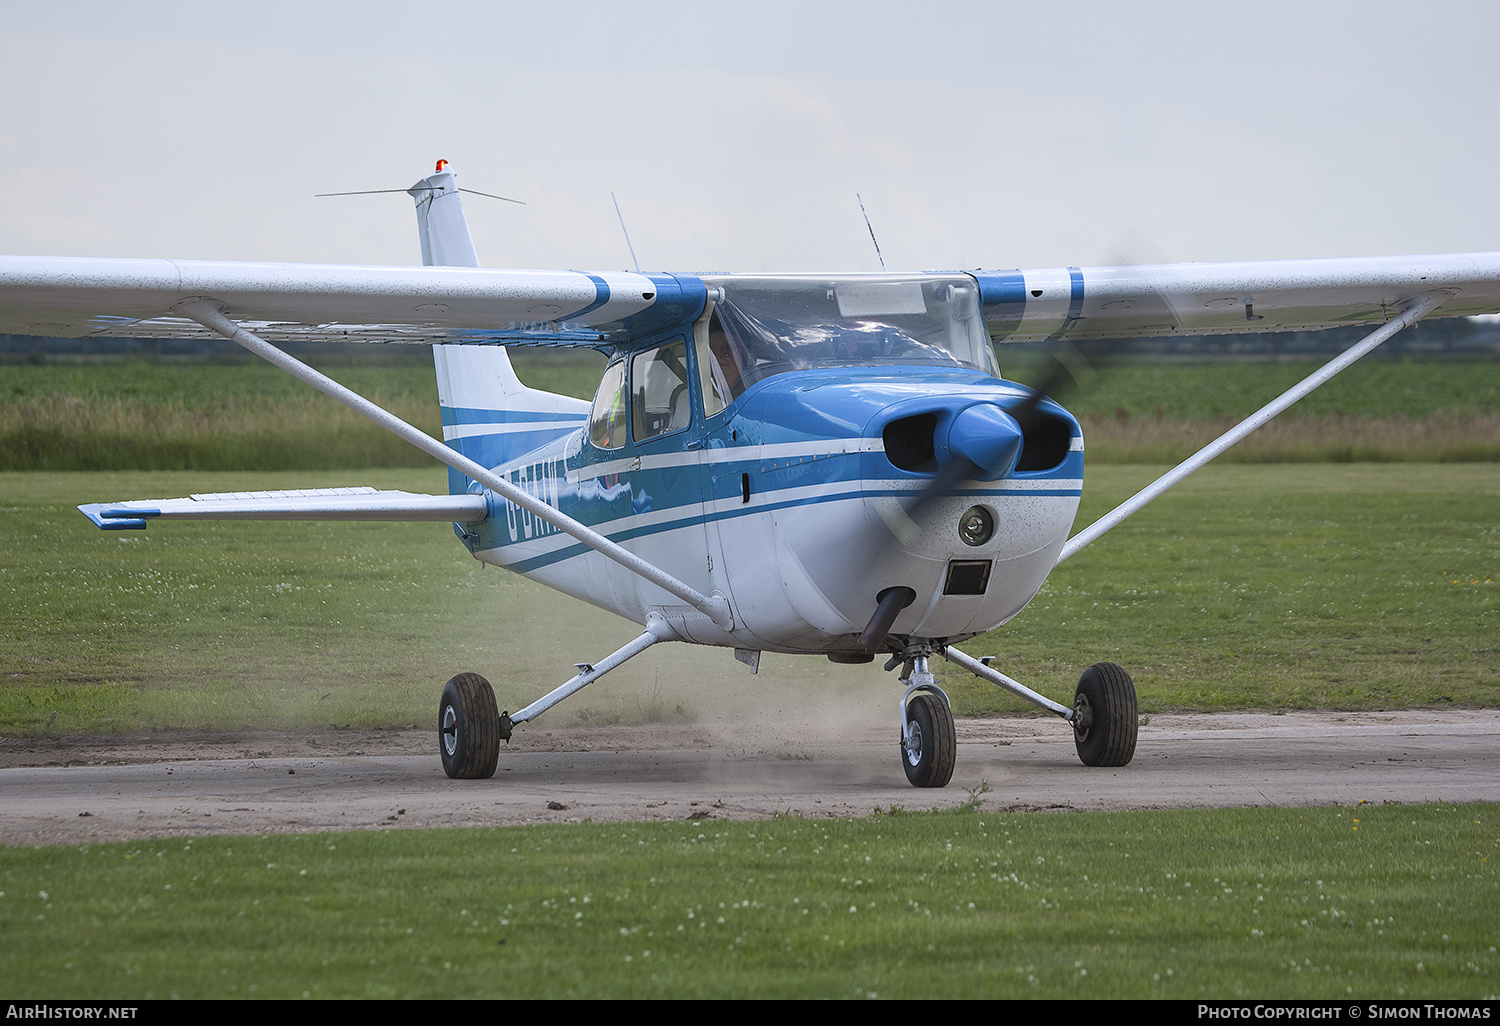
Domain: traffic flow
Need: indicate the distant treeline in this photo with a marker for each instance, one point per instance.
(41, 349)
(1456, 336)
(1466, 336)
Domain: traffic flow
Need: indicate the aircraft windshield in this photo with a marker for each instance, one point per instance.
(767, 326)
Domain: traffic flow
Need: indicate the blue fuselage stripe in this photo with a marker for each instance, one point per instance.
(693, 518)
(456, 415)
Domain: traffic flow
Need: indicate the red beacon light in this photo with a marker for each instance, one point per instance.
(440, 165)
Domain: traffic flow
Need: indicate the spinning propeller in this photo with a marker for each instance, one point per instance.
(983, 442)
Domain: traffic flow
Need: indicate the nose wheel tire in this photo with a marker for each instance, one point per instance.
(930, 746)
(469, 728)
(1105, 720)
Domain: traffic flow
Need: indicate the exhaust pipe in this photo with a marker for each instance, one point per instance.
(888, 604)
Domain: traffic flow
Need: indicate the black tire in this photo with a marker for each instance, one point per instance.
(468, 728)
(928, 758)
(1106, 699)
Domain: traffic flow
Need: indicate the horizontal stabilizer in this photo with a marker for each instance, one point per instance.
(297, 504)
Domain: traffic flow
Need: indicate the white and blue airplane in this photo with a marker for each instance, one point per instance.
(821, 464)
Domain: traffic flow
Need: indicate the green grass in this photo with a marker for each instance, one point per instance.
(233, 625)
(1181, 389)
(148, 415)
(1364, 901)
(1360, 586)
(1190, 390)
(1356, 587)
(571, 372)
(179, 415)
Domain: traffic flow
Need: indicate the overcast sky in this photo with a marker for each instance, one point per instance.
(736, 135)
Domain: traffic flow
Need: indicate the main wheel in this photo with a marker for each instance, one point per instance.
(468, 728)
(928, 750)
(1105, 723)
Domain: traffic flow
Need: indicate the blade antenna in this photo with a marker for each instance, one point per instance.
(872, 231)
(626, 231)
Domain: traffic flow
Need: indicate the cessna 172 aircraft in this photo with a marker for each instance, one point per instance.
(826, 464)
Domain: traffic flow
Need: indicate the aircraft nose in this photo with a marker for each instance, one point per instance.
(988, 437)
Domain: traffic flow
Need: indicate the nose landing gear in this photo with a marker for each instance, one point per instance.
(929, 745)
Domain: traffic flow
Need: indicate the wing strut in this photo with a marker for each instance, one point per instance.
(208, 313)
(1418, 309)
(657, 629)
(985, 671)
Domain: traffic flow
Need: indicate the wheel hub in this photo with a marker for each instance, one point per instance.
(450, 729)
(913, 742)
(1083, 717)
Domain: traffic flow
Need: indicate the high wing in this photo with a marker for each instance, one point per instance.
(1229, 298)
(361, 503)
(70, 297)
(83, 297)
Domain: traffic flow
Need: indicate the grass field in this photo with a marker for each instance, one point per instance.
(142, 415)
(1307, 586)
(145, 415)
(1359, 585)
(1366, 901)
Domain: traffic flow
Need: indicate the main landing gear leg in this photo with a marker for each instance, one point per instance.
(470, 730)
(1104, 713)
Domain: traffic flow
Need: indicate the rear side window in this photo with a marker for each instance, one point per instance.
(611, 406)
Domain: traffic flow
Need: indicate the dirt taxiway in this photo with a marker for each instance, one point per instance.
(67, 790)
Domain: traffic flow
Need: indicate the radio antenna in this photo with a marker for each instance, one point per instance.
(872, 231)
(626, 231)
(377, 192)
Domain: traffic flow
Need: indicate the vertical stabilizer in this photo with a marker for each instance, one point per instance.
(441, 224)
(488, 414)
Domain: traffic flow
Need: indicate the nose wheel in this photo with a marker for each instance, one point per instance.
(929, 745)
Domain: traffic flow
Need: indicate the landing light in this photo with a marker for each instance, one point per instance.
(976, 525)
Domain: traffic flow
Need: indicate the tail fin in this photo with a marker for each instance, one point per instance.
(488, 414)
(441, 224)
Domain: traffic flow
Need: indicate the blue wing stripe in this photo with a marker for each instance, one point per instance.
(601, 296)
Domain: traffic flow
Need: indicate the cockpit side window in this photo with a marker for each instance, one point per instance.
(608, 417)
(659, 380)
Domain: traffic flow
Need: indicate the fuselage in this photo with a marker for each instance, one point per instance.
(797, 486)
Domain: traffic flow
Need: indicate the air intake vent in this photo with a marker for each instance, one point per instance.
(967, 577)
(908, 443)
(1044, 443)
